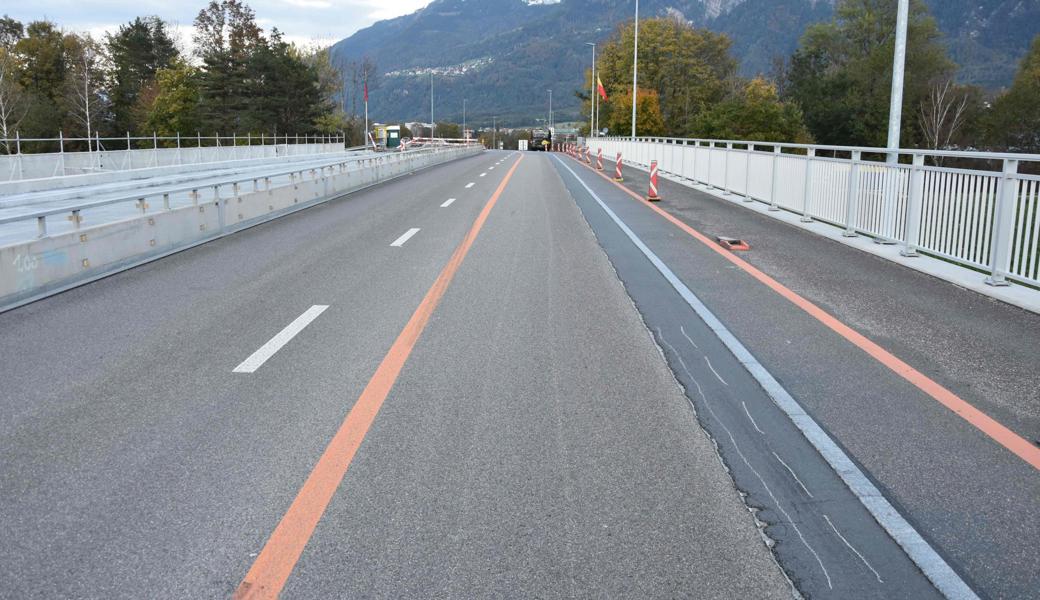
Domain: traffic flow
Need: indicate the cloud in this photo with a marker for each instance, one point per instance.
(302, 21)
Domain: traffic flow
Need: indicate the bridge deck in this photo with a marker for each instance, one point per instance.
(507, 419)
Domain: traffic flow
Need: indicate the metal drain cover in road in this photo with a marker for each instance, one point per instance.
(732, 243)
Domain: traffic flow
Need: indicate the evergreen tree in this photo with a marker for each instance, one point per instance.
(41, 58)
(1014, 121)
(841, 74)
(284, 91)
(137, 50)
(226, 35)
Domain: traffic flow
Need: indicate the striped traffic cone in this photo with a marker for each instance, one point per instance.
(652, 196)
(599, 159)
(617, 170)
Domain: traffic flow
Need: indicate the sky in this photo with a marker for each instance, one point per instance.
(302, 21)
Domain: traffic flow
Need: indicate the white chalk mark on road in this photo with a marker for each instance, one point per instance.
(405, 237)
(275, 344)
(447, 203)
(872, 570)
(683, 330)
(791, 471)
(714, 371)
(748, 413)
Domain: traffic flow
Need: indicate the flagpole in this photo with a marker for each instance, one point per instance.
(592, 91)
(635, 71)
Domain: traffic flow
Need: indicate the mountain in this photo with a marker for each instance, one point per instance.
(503, 55)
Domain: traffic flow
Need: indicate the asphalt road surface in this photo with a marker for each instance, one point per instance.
(485, 380)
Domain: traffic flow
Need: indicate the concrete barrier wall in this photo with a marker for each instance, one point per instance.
(56, 164)
(41, 267)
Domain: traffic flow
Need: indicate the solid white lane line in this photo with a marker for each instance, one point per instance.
(275, 344)
(935, 568)
(469, 185)
(447, 203)
(405, 237)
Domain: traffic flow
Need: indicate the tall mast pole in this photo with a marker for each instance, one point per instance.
(635, 71)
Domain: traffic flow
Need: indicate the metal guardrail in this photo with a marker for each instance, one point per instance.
(47, 264)
(141, 198)
(971, 214)
(62, 156)
(96, 143)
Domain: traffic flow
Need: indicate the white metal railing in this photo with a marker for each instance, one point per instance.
(31, 158)
(230, 187)
(983, 213)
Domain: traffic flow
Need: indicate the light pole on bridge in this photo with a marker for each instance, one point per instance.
(635, 71)
(895, 109)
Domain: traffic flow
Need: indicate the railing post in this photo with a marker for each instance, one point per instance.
(807, 188)
(852, 199)
(155, 150)
(696, 147)
(774, 184)
(725, 169)
(129, 154)
(1003, 223)
(747, 172)
(890, 194)
(913, 207)
(41, 227)
(61, 150)
(711, 152)
(18, 151)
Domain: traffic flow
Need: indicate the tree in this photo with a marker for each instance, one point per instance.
(12, 98)
(755, 113)
(137, 50)
(226, 35)
(11, 31)
(944, 113)
(618, 113)
(171, 102)
(86, 102)
(284, 91)
(1014, 121)
(687, 69)
(449, 130)
(841, 74)
(41, 60)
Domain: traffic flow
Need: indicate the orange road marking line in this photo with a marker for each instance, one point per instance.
(988, 425)
(276, 561)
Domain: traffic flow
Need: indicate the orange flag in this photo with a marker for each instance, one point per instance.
(602, 90)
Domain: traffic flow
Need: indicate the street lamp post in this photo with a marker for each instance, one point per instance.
(494, 133)
(464, 136)
(895, 110)
(592, 99)
(432, 122)
(635, 71)
(550, 112)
